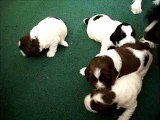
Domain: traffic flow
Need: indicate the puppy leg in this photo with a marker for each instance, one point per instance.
(136, 7)
(53, 48)
(82, 71)
(128, 112)
(63, 43)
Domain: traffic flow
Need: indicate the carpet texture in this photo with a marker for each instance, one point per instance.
(45, 88)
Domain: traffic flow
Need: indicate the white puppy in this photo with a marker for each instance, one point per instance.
(136, 6)
(110, 33)
(47, 34)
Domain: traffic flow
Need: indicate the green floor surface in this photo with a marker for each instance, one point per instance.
(51, 88)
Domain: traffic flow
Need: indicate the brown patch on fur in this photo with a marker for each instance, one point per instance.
(29, 46)
(108, 97)
(108, 72)
(130, 63)
(137, 46)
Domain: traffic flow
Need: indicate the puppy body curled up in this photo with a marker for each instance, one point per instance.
(123, 94)
(47, 34)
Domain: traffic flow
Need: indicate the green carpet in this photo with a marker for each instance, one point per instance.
(51, 88)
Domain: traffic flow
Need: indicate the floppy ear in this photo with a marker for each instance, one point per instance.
(87, 73)
(109, 97)
(35, 46)
(113, 37)
(117, 35)
(86, 20)
(106, 77)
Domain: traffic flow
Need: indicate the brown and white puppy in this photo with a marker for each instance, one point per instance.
(47, 34)
(106, 67)
(123, 94)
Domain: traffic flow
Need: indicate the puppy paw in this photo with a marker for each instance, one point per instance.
(82, 71)
(136, 7)
(156, 2)
(50, 54)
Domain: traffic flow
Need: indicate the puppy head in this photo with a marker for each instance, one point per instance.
(101, 72)
(100, 101)
(28, 46)
(124, 33)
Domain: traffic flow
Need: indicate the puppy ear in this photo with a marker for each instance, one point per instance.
(113, 37)
(87, 73)
(109, 97)
(35, 46)
(86, 20)
(117, 35)
(106, 77)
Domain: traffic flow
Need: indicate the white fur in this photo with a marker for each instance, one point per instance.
(99, 85)
(97, 72)
(101, 30)
(87, 101)
(127, 89)
(115, 57)
(156, 2)
(136, 6)
(50, 32)
(82, 71)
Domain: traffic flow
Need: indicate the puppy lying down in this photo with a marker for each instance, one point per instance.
(116, 76)
(110, 33)
(48, 33)
(103, 70)
(123, 94)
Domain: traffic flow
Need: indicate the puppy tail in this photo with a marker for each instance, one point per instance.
(86, 20)
(151, 44)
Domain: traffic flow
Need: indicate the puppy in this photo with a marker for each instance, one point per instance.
(136, 6)
(110, 33)
(47, 34)
(152, 31)
(123, 94)
(106, 67)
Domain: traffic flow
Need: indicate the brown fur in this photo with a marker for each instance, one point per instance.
(29, 46)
